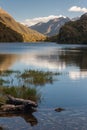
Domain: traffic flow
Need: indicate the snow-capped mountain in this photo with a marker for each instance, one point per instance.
(33, 21)
(50, 27)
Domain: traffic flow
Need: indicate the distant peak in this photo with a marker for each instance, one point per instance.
(31, 22)
(84, 16)
(61, 16)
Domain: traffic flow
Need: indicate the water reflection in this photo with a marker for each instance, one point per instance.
(46, 61)
(60, 93)
(76, 75)
(7, 60)
(29, 117)
(74, 57)
(26, 61)
(57, 60)
(49, 59)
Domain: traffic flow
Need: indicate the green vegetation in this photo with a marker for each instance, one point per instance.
(19, 92)
(51, 39)
(38, 77)
(2, 81)
(30, 77)
(74, 32)
(8, 72)
(28, 80)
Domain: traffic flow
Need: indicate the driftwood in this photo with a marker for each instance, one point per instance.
(10, 108)
(19, 101)
(17, 104)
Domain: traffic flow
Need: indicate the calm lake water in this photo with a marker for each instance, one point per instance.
(68, 90)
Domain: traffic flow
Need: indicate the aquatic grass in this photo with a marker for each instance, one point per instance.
(8, 72)
(38, 77)
(2, 81)
(20, 92)
(2, 100)
(27, 78)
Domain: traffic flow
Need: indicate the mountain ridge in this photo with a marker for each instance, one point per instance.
(9, 35)
(27, 34)
(74, 31)
(51, 27)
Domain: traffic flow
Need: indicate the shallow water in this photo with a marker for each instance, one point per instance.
(68, 90)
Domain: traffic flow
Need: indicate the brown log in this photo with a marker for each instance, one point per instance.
(17, 108)
(10, 108)
(19, 101)
(7, 107)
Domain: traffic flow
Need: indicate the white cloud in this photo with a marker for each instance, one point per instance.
(77, 9)
(34, 21)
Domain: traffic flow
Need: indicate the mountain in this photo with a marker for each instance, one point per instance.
(27, 34)
(75, 18)
(9, 35)
(74, 31)
(51, 27)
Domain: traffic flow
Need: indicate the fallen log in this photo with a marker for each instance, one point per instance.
(17, 104)
(19, 101)
(11, 108)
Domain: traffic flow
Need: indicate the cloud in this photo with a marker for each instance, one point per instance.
(77, 9)
(30, 22)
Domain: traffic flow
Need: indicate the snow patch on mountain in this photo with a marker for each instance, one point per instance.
(31, 22)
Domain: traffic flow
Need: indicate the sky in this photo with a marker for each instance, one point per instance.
(25, 10)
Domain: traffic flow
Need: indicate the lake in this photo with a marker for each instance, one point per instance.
(68, 89)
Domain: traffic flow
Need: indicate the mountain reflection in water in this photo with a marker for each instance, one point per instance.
(51, 59)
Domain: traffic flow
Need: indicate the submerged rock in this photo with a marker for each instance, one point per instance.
(59, 109)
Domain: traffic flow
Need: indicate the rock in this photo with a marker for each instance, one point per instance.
(59, 109)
